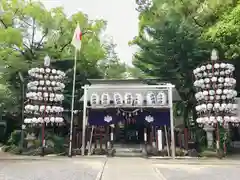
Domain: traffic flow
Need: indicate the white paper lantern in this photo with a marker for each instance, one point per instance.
(42, 108)
(46, 119)
(34, 120)
(161, 98)
(117, 98)
(209, 66)
(151, 99)
(48, 83)
(128, 99)
(138, 99)
(105, 99)
(209, 106)
(52, 119)
(95, 100)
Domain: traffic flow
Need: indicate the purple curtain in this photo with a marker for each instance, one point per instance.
(159, 117)
(104, 117)
(97, 117)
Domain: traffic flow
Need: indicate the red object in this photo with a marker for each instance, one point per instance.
(186, 138)
(100, 133)
(133, 121)
(43, 129)
(79, 36)
(179, 139)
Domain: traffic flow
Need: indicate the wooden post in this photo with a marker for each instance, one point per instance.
(100, 134)
(186, 138)
(106, 137)
(77, 140)
(90, 142)
(166, 136)
(111, 136)
(153, 143)
(179, 139)
(95, 137)
(156, 136)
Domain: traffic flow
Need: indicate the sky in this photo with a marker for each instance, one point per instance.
(121, 16)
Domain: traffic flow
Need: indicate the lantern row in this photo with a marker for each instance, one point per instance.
(45, 96)
(46, 73)
(37, 120)
(218, 119)
(219, 94)
(45, 85)
(129, 99)
(217, 107)
(46, 109)
(220, 69)
(222, 82)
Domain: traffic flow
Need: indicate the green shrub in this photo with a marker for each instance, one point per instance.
(208, 153)
(15, 149)
(58, 143)
(99, 151)
(6, 148)
(15, 138)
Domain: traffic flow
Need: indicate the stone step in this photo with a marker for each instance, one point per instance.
(125, 150)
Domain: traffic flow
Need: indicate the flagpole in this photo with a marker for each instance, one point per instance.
(72, 106)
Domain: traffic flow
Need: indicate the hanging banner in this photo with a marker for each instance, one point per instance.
(160, 145)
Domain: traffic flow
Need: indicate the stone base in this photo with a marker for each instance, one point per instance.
(209, 131)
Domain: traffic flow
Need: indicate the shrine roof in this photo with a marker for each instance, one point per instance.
(121, 82)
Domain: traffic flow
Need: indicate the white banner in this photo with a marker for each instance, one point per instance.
(160, 145)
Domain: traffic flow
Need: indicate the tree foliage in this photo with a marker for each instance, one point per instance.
(170, 47)
(29, 32)
(111, 67)
(177, 35)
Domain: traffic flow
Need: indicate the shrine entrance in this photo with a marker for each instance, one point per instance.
(127, 113)
(129, 132)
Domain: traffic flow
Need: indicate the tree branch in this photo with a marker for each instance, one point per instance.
(41, 40)
(33, 32)
(16, 49)
(190, 14)
(65, 45)
(5, 26)
(29, 49)
(69, 42)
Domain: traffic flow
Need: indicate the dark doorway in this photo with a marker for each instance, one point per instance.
(130, 132)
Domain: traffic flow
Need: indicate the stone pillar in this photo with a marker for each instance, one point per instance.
(209, 131)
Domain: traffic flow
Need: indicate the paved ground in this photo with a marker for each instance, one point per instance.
(199, 172)
(197, 169)
(142, 169)
(129, 169)
(117, 168)
(64, 169)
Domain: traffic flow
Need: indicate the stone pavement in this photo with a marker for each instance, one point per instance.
(89, 168)
(61, 169)
(146, 169)
(199, 172)
(129, 169)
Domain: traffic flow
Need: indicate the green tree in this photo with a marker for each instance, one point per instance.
(171, 47)
(111, 67)
(28, 32)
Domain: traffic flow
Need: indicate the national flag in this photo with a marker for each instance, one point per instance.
(77, 38)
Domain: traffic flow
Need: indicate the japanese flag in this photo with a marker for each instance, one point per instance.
(77, 38)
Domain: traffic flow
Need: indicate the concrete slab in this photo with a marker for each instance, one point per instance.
(129, 169)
